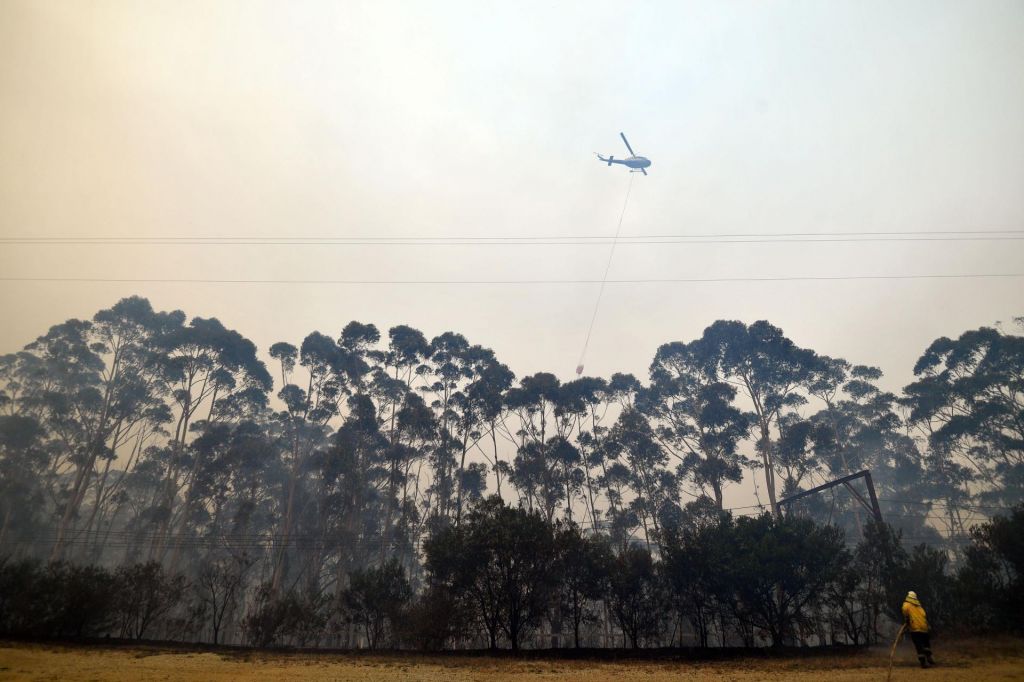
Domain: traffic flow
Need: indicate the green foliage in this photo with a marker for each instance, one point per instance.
(778, 567)
(990, 582)
(376, 598)
(696, 549)
(66, 600)
(969, 398)
(695, 412)
(294, 617)
(584, 564)
(146, 436)
(635, 595)
(500, 560)
(435, 619)
(145, 594)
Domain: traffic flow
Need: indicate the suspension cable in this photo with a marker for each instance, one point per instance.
(604, 278)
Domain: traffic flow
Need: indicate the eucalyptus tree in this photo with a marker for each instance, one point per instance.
(350, 482)
(794, 456)
(654, 488)
(585, 400)
(331, 368)
(93, 385)
(861, 429)
(486, 395)
(403, 416)
(353, 480)
(696, 417)
(621, 520)
(449, 371)
(239, 472)
(408, 426)
(968, 402)
(338, 374)
(213, 374)
(603, 474)
(131, 338)
(859, 420)
(580, 407)
(23, 461)
(825, 381)
(769, 370)
(478, 405)
(537, 472)
(417, 429)
(550, 458)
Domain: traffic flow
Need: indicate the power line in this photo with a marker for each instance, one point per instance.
(422, 282)
(822, 238)
(676, 235)
(966, 506)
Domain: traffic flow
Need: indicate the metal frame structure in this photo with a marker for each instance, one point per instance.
(844, 481)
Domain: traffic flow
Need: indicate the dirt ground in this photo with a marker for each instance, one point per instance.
(971, 660)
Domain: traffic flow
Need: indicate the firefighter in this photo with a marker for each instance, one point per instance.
(917, 623)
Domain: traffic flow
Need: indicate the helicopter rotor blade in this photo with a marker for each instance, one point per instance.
(623, 136)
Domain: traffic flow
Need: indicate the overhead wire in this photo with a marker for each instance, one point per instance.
(598, 241)
(575, 240)
(419, 282)
(967, 506)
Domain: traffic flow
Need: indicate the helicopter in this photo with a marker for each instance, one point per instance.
(634, 162)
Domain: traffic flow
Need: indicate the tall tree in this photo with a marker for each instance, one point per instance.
(655, 488)
(769, 369)
(450, 370)
(968, 401)
(697, 417)
(23, 461)
(537, 474)
(486, 395)
(94, 384)
(304, 421)
(214, 374)
(407, 421)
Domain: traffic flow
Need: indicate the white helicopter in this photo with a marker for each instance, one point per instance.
(634, 162)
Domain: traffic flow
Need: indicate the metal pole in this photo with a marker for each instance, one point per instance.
(874, 498)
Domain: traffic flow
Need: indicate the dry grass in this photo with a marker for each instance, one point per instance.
(970, 660)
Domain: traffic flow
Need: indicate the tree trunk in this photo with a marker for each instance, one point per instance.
(769, 472)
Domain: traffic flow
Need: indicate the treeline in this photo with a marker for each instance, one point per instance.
(145, 438)
(507, 577)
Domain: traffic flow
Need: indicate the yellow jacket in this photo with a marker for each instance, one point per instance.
(914, 614)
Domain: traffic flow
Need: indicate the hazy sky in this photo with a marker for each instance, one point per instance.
(304, 119)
